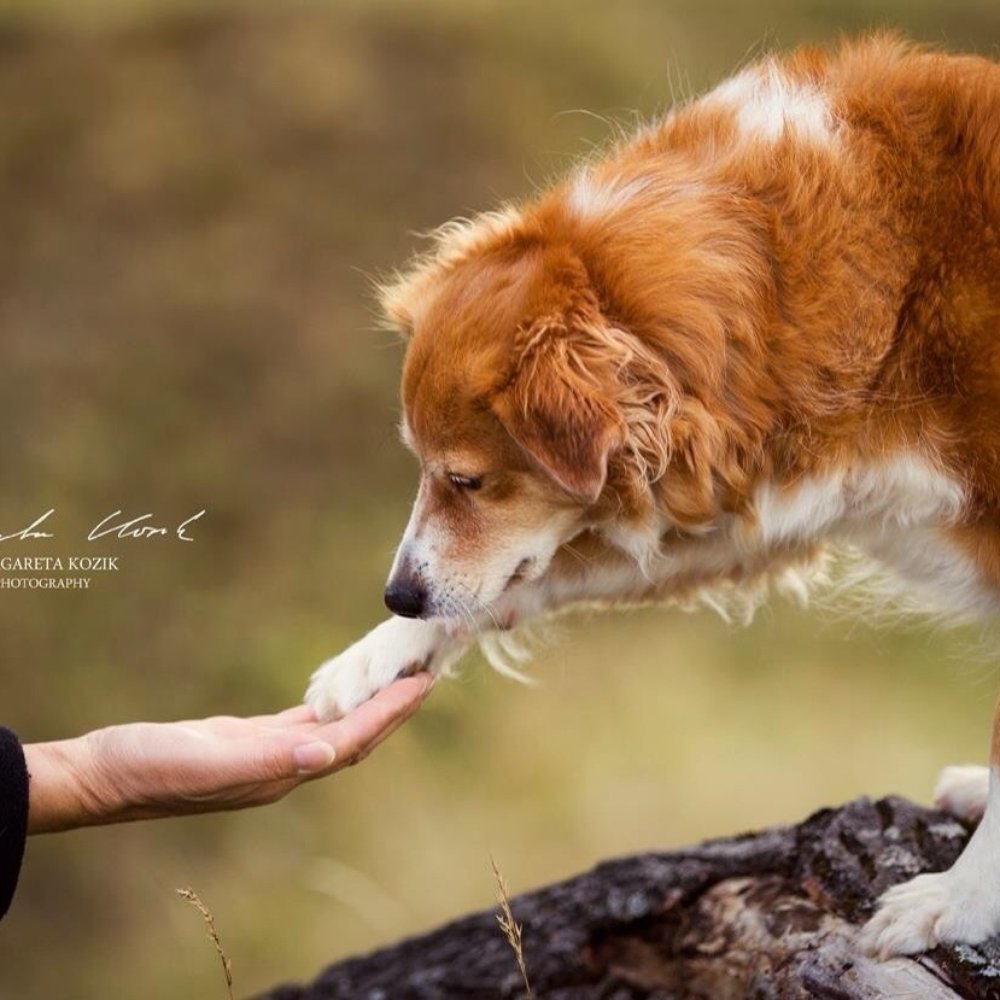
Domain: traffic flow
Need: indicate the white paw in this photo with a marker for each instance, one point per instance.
(962, 792)
(929, 910)
(397, 647)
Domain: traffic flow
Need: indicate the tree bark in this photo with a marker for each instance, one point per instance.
(766, 915)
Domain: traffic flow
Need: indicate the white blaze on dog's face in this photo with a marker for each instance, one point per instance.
(478, 527)
(513, 452)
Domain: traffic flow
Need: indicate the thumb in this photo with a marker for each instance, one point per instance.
(313, 756)
(275, 757)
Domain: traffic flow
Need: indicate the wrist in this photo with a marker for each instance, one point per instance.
(61, 788)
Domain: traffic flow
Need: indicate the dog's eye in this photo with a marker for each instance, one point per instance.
(470, 483)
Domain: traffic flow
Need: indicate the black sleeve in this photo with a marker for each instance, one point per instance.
(13, 814)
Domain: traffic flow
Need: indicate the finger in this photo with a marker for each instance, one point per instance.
(385, 733)
(230, 726)
(348, 756)
(377, 718)
(380, 737)
(294, 716)
(322, 749)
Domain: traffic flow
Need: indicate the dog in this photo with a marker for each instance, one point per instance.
(762, 325)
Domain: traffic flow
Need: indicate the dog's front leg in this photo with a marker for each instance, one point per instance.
(397, 647)
(403, 645)
(957, 906)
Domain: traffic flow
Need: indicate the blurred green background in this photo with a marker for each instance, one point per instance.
(193, 198)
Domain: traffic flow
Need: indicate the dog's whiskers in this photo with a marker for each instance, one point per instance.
(474, 628)
(577, 555)
(488, 608)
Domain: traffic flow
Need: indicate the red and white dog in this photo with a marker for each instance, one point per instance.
(768, 322)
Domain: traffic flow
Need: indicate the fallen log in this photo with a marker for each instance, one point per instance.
(773, 914)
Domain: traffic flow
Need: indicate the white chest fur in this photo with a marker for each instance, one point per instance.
(895, 512)
(903, 492)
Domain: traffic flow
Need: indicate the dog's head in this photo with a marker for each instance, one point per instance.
(533, 415)
(507, 407)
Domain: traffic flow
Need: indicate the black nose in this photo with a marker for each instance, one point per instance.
(405, 598)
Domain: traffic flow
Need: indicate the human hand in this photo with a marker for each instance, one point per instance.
(149, 770)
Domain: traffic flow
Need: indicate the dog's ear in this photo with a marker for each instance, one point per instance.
(558, 405)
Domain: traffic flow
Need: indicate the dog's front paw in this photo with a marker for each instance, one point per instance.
(933, 909)
(396, 648)
(343, 682)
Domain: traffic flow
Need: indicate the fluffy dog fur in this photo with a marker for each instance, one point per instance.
(767, 322)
